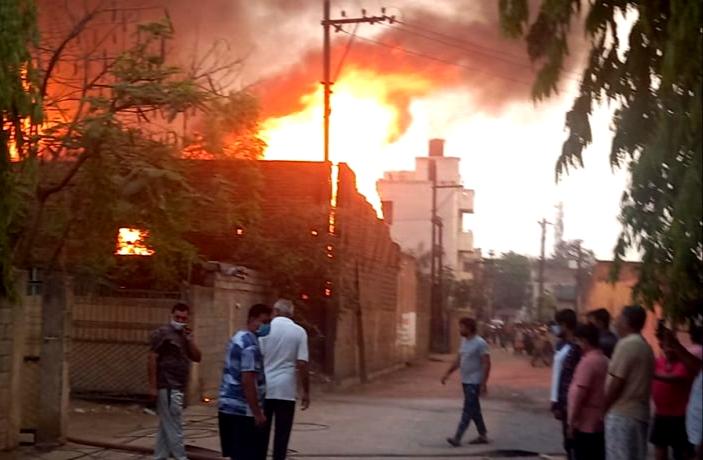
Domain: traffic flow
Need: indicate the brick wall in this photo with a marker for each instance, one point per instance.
(368, 267)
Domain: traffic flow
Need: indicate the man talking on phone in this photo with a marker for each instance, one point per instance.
(172, 349)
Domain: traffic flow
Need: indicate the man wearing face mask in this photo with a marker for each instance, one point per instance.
(241, 416)
(172, 348)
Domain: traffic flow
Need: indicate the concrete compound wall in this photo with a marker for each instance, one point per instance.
(220, 311)
(109, 346)
(12, 331)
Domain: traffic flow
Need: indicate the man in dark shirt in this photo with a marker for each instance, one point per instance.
(172, 348)
(607, 340)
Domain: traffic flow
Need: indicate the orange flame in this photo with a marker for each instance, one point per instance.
(132, 242)
(369, 112)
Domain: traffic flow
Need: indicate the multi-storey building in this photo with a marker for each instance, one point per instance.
(406, 199)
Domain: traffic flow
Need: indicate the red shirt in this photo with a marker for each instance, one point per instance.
(671, 398)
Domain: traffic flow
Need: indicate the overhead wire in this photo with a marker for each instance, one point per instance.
(453, 38)
(350, 42)
(467, 46)
(432, 58)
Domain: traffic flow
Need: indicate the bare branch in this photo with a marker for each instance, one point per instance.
(44, 193)
(75, 32)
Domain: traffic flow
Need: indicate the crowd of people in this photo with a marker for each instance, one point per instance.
(534, 340)
(602, 387)
(262, 366)
(602, 384)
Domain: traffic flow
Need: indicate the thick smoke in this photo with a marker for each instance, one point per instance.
(457, 44)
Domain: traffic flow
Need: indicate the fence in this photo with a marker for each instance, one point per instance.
(110, 341)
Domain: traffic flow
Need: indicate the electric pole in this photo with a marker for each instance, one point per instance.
(438, 318)
(327, 24)
(540, 296)
(579, 276)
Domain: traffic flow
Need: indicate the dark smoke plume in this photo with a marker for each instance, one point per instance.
(457, 48)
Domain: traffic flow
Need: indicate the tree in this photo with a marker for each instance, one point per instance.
(20, 112)
(110, 148)
(511, 279)
(572, 250)
(656, 85)
(108, 153)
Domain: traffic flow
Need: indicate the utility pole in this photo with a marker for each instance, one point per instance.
(327, 24)
(489, 268)
(326, 77)
(438, 319)
(436, 322)
(540, 296)
(579, 276)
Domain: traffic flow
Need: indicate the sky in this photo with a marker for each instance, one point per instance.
(388, 104)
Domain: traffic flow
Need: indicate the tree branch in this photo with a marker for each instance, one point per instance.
(53, 61)
(44, 193)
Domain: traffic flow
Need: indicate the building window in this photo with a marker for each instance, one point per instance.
(387, 209)
(468, 267)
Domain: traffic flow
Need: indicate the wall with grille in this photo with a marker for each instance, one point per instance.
(110, 335)
(110, 342)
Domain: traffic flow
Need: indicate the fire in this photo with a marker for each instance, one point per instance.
(132, 242)
(370, 111)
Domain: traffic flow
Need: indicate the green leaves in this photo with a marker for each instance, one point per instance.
(111, 152)
(20, 111)
(514, 15)
(511, 279)
(656, 86)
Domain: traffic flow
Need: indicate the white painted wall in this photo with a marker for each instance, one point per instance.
(411, 195)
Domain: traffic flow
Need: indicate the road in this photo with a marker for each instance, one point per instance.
(408, 414)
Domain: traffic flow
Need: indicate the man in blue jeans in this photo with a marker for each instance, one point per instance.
(474, 363)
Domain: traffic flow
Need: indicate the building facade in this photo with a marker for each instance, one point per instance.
(406, 198)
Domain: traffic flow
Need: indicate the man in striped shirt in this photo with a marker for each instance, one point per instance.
(241, 415)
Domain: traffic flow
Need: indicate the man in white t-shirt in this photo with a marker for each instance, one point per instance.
(285, 352)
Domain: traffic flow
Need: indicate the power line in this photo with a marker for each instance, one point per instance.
(432, 58)
(467, 46)
(452, 38)
(346, 52)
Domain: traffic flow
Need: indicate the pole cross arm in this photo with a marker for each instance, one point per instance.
(368, 20)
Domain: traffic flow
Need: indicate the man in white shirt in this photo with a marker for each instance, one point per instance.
(285, 351)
